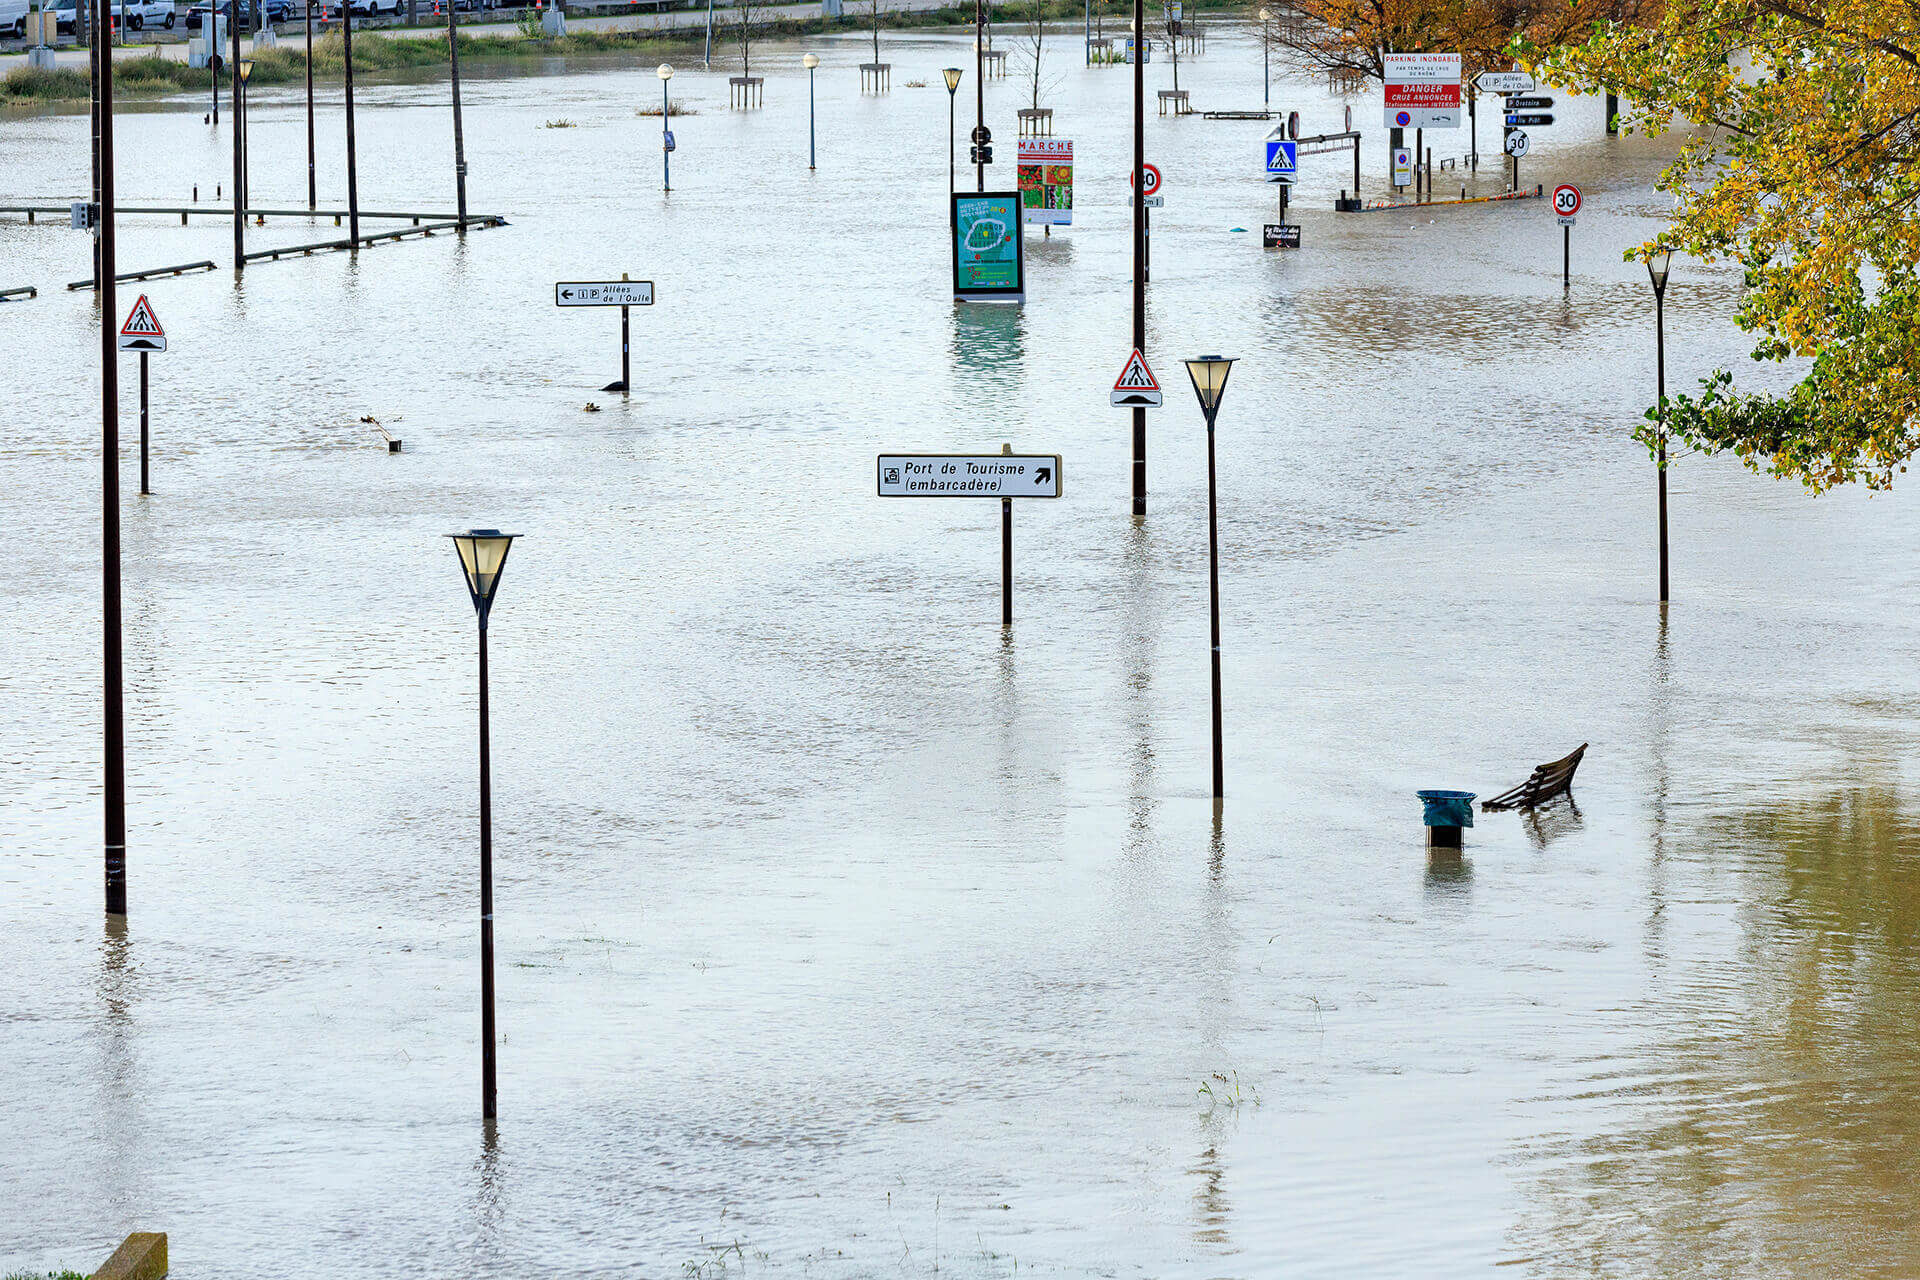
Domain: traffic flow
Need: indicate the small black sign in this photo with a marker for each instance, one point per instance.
(981, 133)
(1525, 121)
(1280, 235)
(1516, 102)
(980, 155)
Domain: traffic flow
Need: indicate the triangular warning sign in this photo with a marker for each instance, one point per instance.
(141, 322)
(1136, 376)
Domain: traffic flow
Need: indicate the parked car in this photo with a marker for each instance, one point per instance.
(141, 14)
(271, 11)
(13, 18)
(374, 8)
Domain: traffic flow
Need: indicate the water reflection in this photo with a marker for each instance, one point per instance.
(1544, 825)
(989, 346)
(1770, 1111)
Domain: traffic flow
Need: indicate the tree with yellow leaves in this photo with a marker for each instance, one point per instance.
(1804, 166)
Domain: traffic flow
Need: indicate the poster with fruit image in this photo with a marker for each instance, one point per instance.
(1046, 181)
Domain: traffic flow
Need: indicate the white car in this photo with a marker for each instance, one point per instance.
(141, 14)
(374, 8)
(13, 18)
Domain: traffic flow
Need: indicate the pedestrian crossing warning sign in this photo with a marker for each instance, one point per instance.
(142, 331)
(1136, 387)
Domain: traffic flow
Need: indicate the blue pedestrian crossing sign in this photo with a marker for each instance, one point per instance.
(1282, 160)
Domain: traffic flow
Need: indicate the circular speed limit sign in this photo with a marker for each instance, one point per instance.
(1517, 143)
(1152, 179)
(1566, 200)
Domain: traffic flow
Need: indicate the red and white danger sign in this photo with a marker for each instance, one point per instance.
(1136, 387)
(1422, 90)
(142, 331)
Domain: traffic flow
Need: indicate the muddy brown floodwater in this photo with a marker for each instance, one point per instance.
(839, 934)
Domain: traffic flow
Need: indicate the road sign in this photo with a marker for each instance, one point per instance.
(1503, 82)
(1422, 90)
(1402, 167)
(1136, 387)
(981, 134)
(1280, 235)
(1517, 143)
(1282, 160)
(1153, 179)
(1515, 102)
(1152, 202)
(980, 155)
(1566, 201)
(968, 475)
(603, 293)
(1528, 120)
(142, 331)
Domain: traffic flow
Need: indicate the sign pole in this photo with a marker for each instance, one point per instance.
(144, 490)
(626, 371)
(1006, 553)
(114, 726)
(1566, 257)
(1139, 244)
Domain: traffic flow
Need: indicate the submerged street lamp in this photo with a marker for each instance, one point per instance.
(1659, 262)
(952, 75)
(665, 72)
(1209, 374)
(483, 554)
(1266, 44)
(246, 165)
(810, 62)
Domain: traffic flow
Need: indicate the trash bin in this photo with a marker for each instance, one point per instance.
(1446, 812)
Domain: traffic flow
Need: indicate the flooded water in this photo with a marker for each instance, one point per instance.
(840, 934)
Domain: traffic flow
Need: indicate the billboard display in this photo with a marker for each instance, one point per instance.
(989, 259)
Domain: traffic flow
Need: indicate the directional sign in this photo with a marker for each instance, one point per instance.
(1280, 235)
(1528, 120)
(1535, 103)
(1136, 387)
(1153, 179)
(1566, 201)
(1282, 160)
(142, 331)
(1503, 82)
(603, 293)
(967, 475)
(1516, 144)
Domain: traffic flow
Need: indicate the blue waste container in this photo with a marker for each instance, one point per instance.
(1447, 808)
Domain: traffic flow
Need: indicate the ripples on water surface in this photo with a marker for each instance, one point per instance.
(834, 926)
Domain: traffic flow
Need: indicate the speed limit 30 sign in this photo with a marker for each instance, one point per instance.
(1566, 202)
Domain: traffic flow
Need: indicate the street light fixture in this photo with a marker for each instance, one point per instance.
(1209, 375)
(952, 76)
(810, 62)
(483, 554)
(246, 74)
(1659, 262)
(665, 72)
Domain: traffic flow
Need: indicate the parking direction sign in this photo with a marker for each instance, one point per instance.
(1503, 82)
(603, 293)
(1534, 102)
(1282, 160)
(1528, 119)
(967, 475)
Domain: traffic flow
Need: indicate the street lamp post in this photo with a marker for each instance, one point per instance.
(1209, 374)
(980, 94)
(353, 161)
(665, 72)
(952, 76)
(1657, 266)
(459, 132)
(313, 186)
(240, 119)
(1266, 43)
(483, 554)
(810, 62)
(240, 69)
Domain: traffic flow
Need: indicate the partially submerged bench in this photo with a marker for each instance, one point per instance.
(1547, 781)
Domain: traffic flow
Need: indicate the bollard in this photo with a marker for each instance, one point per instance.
(1445, 814)
(141, 1256)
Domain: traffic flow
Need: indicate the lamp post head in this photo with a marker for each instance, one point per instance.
(1658, 263)
(483, 554)
(664, 71)
(1209, 374)
(810, 61)
(952, 75)
(246, 70)
(1263, 16)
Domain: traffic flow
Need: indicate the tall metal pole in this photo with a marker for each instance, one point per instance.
(313, 189)
(1213, 567)
(488, 1109)
(115, 790)
(144, 490)
(1660, 367)
(210, 35)
(666, 157)
(353, 168)
(1006, 562)
(951, 95)
(1266, 74)
(1139, 243)
(93, 107)
(239, 182)
(459, 132)
(979, 91)
(811, 154)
